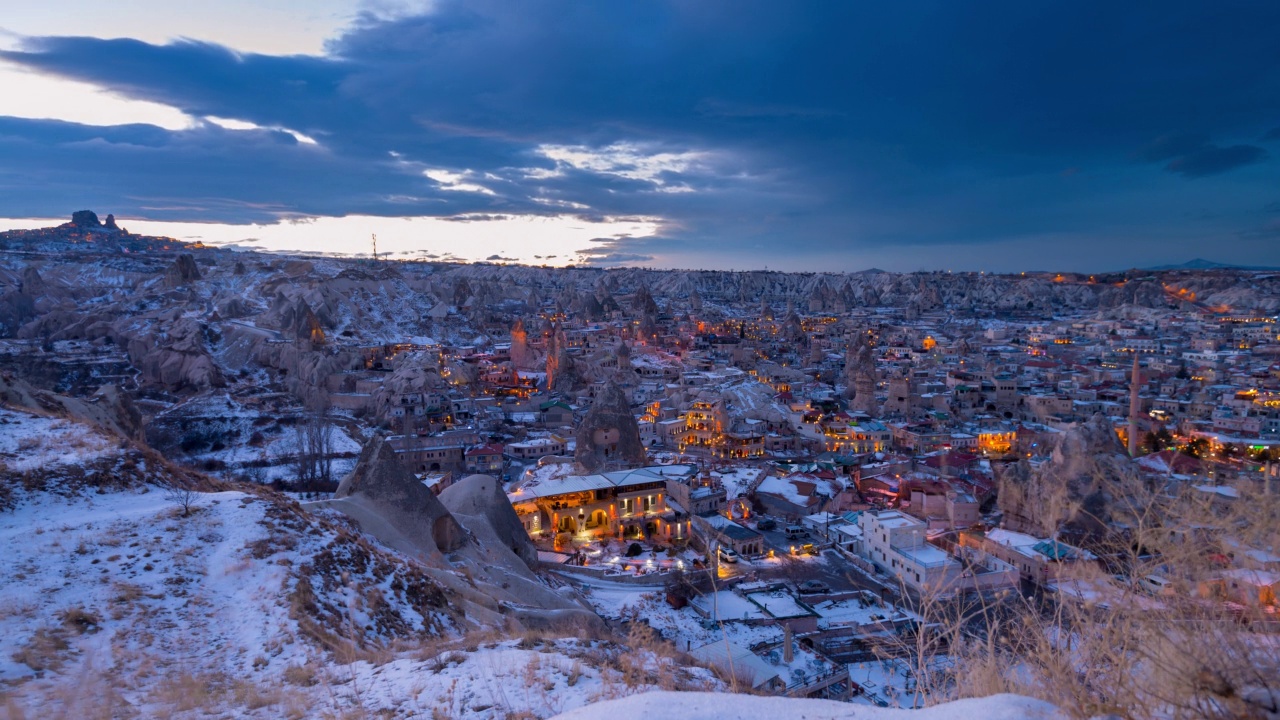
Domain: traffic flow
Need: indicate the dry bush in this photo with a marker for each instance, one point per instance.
(643, 661)
(574, 674)
(16, 609)
(184, 691)
(1106, 647)
(80, 620)
(304, 675)
(11, 710)
(253, 695)
(7, 500)
(89, 695)
(126, 593)
(44, 651)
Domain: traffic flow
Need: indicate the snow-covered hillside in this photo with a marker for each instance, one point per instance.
(718, 706)
(29, 442)
(124, 594)
(117, 601)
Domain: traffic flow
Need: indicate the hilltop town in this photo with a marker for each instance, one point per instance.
(777, 475)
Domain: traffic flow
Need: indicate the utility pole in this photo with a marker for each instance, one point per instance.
(375, 247)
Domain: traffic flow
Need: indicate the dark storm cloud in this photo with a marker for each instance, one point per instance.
(1265, 231)
(765, 130)
(1212, 160)
(1170, 147)
(608, 253)
(1192, 155)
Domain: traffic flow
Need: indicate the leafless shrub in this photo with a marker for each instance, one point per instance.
(574, 675)
(183, 691)
(80, 620)
(182, 496)
(254, 695)
(314, 438)
(44, 651)
(1106, 643)
(127, 592)
(304, 675)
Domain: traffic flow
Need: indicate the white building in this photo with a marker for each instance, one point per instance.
(538, 448)
(895, 543)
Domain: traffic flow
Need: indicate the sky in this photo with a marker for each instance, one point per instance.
(805, 135)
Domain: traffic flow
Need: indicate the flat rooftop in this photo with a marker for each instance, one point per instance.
(926, 555)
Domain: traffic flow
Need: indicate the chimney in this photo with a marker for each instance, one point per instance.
(788, 654)
(1133, 408)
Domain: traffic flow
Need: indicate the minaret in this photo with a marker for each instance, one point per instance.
(1133, 408)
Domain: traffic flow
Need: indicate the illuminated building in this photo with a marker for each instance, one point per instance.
(622, 504)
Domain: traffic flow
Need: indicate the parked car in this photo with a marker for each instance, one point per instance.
(1155, 585)
(805, 549)
(767, 524)
(796, 531)
(728, 555)
(812, 587)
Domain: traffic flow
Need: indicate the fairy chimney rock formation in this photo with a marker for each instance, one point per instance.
(1080, 489)
(182, 271)
(520, 356)
(380, 482)
(860, 375)
(643, 304)
(562, 375)
(609, 433)
(481, 503)
(624, 357)
(308, 326)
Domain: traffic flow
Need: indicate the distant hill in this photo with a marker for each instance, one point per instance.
(1202, 264)
(87, 232)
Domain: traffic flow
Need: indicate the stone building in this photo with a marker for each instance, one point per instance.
(627, 504)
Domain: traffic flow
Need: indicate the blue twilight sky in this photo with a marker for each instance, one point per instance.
(729, 134)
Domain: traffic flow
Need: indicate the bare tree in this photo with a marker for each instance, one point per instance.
(183, 497)
(314, 437)
(256, 474)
